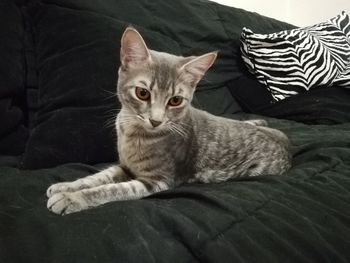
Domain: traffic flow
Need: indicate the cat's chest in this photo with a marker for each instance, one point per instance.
(132, 148)
(137, 152)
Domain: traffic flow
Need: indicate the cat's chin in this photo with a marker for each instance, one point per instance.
(163, 129)
(154, 130)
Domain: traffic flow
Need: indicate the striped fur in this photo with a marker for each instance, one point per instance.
(294, 61)
(185, 145)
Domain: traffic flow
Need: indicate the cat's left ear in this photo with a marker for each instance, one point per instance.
(133, 51)
(195, 69)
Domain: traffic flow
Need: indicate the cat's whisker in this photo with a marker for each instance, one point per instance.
(183, 126)
(126, 115)
(108, 91)
(110, 97)
(173, 132)
(114, 110)
(177, 130)
(111, 94)
(126, 123)
(110, 116)
(109, 123)
(127, 120)
(185, 129)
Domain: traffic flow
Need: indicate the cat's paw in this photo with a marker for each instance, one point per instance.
(257, 122)
(60, 188)
(66, 203)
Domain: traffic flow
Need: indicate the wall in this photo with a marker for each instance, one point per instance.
(297, 12)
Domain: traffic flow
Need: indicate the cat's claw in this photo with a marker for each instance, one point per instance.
(66, 203)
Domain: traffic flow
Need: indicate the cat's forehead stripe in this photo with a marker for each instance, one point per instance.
(164, 76)
(153, 82)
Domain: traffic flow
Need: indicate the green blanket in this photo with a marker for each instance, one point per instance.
(301, 217)
(58, 63)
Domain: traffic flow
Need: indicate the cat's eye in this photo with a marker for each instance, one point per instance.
(142, 94)
(175, 101)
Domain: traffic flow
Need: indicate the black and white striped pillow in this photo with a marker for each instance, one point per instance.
(294, 61)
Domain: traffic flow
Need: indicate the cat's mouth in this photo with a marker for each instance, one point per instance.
(149, 124)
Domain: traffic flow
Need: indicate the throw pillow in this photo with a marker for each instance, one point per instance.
(294, 61)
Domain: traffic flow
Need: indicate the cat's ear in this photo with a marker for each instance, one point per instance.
(195, 69)
(133, 49)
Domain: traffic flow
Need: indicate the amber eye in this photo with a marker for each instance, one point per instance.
(175, 101)
(142, 93)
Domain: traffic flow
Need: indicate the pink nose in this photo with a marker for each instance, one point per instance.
(155, 123)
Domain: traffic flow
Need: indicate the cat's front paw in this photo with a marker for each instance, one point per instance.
(66, 203)
(60, 188)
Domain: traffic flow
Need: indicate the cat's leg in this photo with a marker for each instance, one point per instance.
(70, 202)
(112, 174)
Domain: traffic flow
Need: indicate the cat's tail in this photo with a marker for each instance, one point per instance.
(274, 134)
(284, 151)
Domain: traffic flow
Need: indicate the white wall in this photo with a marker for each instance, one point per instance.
(296, 12)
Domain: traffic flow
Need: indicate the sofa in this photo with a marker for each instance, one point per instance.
(58, 74)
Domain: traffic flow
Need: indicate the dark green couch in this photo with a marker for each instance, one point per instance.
(58, 69)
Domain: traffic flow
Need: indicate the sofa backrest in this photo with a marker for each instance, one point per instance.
(59, 68)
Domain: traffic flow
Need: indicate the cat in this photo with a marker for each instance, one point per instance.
(163, 141)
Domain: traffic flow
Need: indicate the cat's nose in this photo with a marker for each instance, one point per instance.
(155, 123)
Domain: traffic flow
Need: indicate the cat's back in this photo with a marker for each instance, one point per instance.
(226, 144)
(207, 124)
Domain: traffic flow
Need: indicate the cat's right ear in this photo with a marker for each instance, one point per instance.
(133, 51)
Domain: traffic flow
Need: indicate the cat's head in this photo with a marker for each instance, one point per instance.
(156, 88)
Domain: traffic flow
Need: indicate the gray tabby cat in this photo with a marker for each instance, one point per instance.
(163, 141)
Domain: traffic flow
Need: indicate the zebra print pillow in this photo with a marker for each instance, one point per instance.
(294, 61)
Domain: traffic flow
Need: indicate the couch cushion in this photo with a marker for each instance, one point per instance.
(294, 61)
(13, 132)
